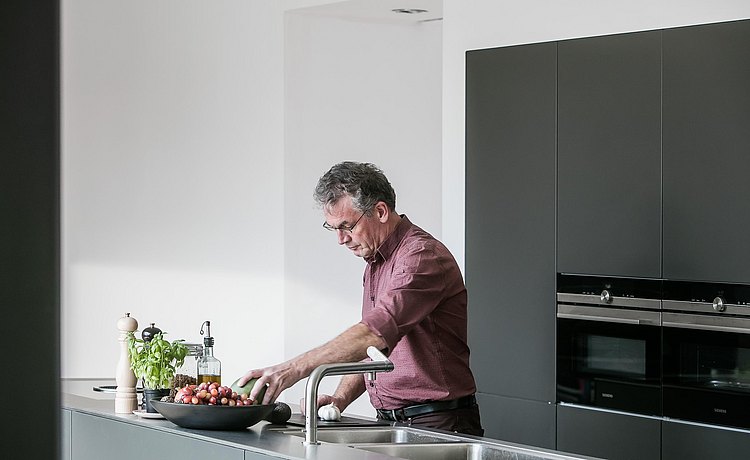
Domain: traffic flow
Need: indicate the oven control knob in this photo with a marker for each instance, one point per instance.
(718, 304)
(606, 296)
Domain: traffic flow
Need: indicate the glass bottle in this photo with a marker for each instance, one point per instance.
(209, 368)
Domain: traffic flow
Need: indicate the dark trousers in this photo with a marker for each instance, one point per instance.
(464, 421)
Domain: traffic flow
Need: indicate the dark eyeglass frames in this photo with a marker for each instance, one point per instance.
(343, 228)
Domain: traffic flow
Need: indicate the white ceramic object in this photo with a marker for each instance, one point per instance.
(142, 413)
(126, 400)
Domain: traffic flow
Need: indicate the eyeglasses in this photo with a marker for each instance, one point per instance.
(343, 228)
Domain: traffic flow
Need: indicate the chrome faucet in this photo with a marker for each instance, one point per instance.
(379, 363)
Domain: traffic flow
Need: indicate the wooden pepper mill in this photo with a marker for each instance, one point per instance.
(126, 400)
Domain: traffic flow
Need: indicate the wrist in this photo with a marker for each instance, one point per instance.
(340, 401)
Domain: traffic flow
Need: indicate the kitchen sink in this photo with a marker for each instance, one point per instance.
(389, 435)
(457, 451)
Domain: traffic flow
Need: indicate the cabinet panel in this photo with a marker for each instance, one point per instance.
(609, 155)
(510, 209)
(706, 156)
(65, 434)
(518, 420)
(698, 442)
(608, 435)
(96, 438)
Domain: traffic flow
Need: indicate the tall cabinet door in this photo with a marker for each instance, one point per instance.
(707, 152)
(609, 155)
(510, 236)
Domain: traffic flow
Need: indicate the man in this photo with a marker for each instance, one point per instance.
(413, 309)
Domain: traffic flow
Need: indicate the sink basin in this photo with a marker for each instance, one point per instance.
(456, 451)
(388, 435)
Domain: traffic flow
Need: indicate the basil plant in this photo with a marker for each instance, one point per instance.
(155, 361)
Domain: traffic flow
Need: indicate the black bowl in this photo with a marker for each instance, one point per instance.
(205, 417)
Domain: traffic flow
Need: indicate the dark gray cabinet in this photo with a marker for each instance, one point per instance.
(510, 224)
(609, 155)
(609, 435)
(638, 106)
(681, 441)
(706, 152)
(521, 420)
(624, 155)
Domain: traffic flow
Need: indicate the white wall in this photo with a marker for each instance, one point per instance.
(172, 173)
(492, 23)
(363, 92)
(179, 204)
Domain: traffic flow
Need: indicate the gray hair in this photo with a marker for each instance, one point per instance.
(365, 183)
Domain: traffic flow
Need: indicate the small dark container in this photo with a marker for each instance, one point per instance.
(150, 395)
(150, 332)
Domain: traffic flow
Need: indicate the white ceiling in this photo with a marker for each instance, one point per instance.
(377, 11)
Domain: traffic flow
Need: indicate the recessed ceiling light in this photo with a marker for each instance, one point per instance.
(408, 10)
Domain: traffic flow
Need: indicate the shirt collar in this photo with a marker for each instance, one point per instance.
(392, 241)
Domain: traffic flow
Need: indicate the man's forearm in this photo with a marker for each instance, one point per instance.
(349, 389)
(349, 346)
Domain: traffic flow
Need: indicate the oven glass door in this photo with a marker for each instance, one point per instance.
(707, 376)
(610, 365)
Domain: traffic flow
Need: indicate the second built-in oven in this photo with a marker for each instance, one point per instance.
(609, 343)
(706, 375)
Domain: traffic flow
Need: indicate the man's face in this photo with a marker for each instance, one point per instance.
(362, 239)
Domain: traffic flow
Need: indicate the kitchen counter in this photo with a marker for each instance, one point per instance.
(91, 410)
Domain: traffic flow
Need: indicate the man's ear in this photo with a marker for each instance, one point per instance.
(382, 211)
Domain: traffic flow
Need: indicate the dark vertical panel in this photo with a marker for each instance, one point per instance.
(521, 420)
(510, 219)
(29, 226)
(707, 152)
(698, 442)
(609, 155)
(608, 435)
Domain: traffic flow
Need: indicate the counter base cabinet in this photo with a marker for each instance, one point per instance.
(97, 438)
(608, 435)
(518, 420)
(65, 434)
(681, 441)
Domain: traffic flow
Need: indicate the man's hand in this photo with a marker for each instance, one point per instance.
(277, 379)
(350, 388)
(351, 345)
(322, 401)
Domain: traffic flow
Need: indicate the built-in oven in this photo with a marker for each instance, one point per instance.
(609, 343)
(706, 374)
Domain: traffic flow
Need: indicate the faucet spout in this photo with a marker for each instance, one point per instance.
(379, 363)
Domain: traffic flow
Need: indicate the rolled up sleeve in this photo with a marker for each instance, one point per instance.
(406, 297)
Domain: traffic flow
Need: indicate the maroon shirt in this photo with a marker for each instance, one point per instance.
(414, 297)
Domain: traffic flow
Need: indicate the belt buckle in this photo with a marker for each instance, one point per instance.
(387, 414)
(396, 415)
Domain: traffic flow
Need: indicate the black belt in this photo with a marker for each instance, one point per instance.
(400, 415)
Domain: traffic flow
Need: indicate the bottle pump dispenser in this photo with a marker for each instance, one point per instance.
(209, 368)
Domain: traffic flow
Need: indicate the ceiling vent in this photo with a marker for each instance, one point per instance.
(408, 10)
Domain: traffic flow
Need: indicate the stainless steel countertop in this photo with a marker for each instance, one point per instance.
(78, 395)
